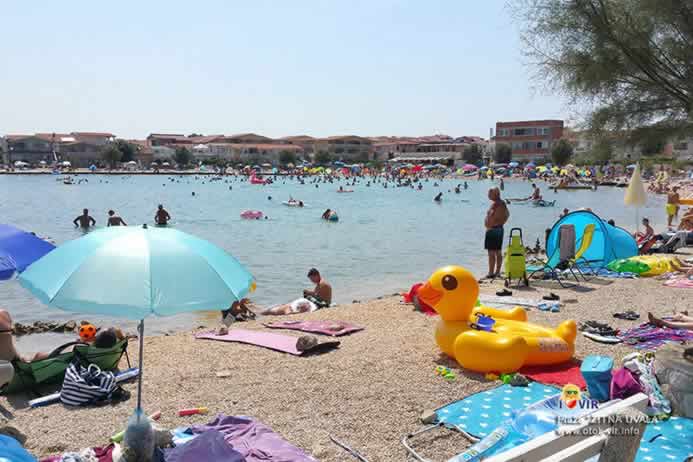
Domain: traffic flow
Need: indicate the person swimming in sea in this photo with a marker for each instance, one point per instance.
(162, 216)
(438, 198)
(466, 185)
(457, 189)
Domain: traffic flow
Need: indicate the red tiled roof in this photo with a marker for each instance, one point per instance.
(298, 138)
(104, 134)
(530, 123)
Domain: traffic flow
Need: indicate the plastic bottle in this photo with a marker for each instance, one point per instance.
(139, 437)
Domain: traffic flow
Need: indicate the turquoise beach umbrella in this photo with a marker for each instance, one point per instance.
(135, 272)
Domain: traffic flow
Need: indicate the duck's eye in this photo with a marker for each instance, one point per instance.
(450, 282)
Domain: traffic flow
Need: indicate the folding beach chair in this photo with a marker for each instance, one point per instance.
(579, 260)
(564, 252)
(674, 243)
(565, 258)
(29, 375)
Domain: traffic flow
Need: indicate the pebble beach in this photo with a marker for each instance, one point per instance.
(368, 393)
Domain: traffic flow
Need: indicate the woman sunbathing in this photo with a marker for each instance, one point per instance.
(678, 321)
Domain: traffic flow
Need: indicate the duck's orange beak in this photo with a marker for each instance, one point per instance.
(429, 295)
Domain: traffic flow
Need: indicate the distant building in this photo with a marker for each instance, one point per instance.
(161, 139)
(304, 141)
(251, 152)
(95, 138)
(531, 139)
(81, 154)
(143, 152)
(36, 148)
(350, 148)
(248, 138)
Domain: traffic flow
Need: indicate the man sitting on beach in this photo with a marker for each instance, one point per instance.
(320, 297)
(672, 206)
(84, 220)
(647, 235)
(162, 217)
(115, 220)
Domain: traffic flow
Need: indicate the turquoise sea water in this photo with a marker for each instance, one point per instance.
(385, 240)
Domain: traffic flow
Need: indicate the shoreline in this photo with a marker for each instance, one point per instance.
(368, 393)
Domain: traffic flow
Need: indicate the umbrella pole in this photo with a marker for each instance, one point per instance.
(140, 328)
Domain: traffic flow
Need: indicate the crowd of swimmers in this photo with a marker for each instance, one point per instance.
(86, 221)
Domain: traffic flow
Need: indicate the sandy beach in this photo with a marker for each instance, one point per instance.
(368, 393)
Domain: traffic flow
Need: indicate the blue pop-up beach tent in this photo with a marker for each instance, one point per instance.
(608, 243)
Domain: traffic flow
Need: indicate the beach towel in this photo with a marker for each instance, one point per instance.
(649, 337)
(210, 445)
(607, 273)
(514, 301)
(331, 328)
(680, 283)
(255, 441)
(481, 413)
(670, 440)
(556, 374)
(271, 340)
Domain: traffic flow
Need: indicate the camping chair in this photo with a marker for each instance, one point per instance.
(565, 258)
(674, 243)
(29, 375)
(579, 259)
(563, 253)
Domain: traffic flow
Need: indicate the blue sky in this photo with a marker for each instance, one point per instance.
(379, 67)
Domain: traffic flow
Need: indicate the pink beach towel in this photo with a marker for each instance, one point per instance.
(331, 328)
(277, 342)
(680, 283)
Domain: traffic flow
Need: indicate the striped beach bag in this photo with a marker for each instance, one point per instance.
(86, 385)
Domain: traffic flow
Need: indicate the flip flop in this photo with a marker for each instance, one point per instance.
(551, 297)
(627, 315)
(504, 293)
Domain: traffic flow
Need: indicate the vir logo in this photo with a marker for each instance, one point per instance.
(571, 398)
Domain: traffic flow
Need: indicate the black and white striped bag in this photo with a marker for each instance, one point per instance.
(86, 385)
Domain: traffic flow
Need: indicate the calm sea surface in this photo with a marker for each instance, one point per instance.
(385, 239)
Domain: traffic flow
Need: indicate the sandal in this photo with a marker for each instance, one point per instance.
(629, 315)
(504, 293)
(551, 297)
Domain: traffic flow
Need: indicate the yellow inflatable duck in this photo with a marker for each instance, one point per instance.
(512, 342)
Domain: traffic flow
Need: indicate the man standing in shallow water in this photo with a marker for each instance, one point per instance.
(496, 217)
(84, 220)
(115, 220)
(162, 217)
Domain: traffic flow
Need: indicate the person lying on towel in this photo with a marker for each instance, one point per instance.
(312, 300)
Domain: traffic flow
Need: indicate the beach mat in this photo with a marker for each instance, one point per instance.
(556, 374)
(649, 337)
(479, 414)
(674, 443)
(277, 342)
(331, 328)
